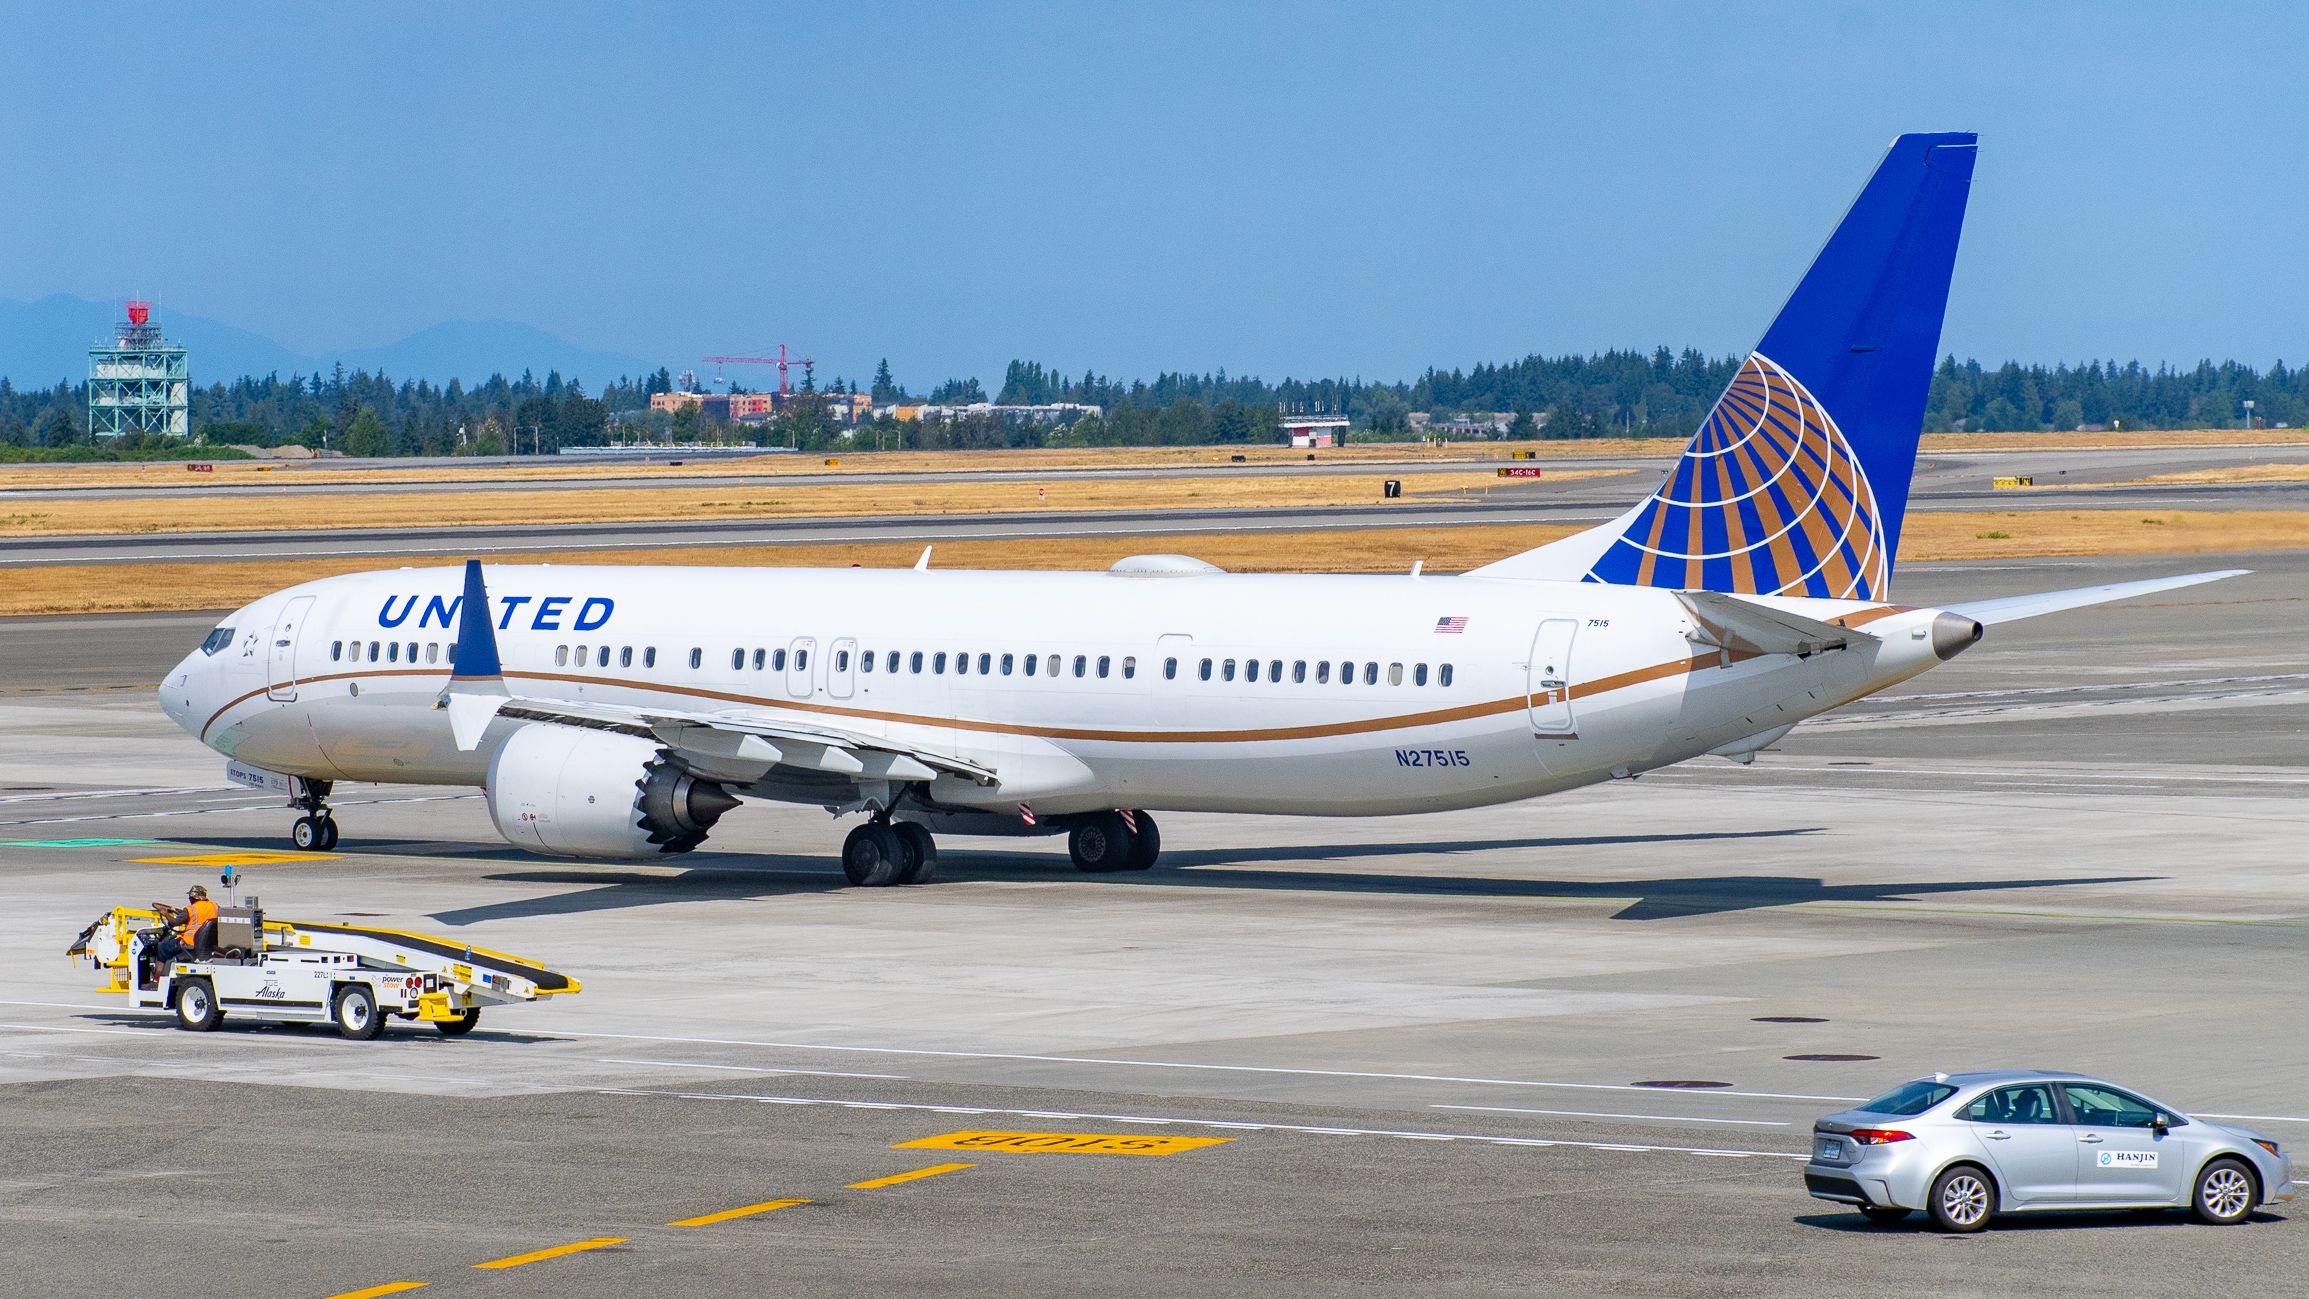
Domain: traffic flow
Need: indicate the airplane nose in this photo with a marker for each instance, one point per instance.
(1952, 634)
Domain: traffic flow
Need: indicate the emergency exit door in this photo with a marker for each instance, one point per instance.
(1549, 695)
(281, 652)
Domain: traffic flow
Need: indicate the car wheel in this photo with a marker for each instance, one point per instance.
(1887, 1214)
(2225, 1193)
(1962, 1199)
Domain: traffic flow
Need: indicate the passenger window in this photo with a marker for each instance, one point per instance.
(1206, 672)
(1251, 670)
(432, 651)
(778, 660)
(561, 656)
(1347, 672)
(336, 650)
(801, 660)
(393, 652)
(1129, 666)
(374, 652)
(985, 665)
(412, 651)
(841, 660)
(1274, 670)
(2106, 1107)
(649, 657)
(737, 659)
(1227, 670)
(697, 657)
(1371, 673)
(1032, 661)
(1170, 669)
(866, 661)
(1102, 662)
(1050, 666)
(1419, 675)
(625, 657)
(917, 661)
(961, 665)
(1322, 672)
(2014, 1105)
(601, 657)
(1394, 674)
(1444, 675)
(1299, 672)
(1007, 661)
(452, 654)
(891, 664)
(1081, 664)
(938, 664)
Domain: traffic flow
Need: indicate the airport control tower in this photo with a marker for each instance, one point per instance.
(140, 383)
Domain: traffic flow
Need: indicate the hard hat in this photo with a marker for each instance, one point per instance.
(196, 891)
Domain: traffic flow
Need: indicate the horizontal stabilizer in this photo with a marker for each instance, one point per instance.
(1729, 622)
(2012, 608)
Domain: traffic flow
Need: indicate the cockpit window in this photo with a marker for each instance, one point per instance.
(216, 641)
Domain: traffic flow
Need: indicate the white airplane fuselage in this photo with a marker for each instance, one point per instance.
(1082, 691)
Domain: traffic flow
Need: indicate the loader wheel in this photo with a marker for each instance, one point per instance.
(356, 1013)
(196, 1008)
(460, 1026)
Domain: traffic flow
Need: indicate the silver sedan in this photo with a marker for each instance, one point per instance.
(1965, 1147)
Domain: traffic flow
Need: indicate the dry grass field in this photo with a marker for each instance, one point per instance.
(240, 472)
(2293, 472)
(191, 513)
(113, 588)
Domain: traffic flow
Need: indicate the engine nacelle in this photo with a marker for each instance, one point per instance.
(573, 792)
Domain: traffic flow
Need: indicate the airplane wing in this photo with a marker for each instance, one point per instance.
(746, 744)
(2012, 608)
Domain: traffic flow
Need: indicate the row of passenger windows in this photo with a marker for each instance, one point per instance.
(936, 663)
(1321, 669)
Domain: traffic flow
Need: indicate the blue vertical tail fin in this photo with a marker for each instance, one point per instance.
(1797, 480)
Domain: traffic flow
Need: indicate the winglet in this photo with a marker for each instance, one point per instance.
(923, 563)
(476, 688)
(476, 639)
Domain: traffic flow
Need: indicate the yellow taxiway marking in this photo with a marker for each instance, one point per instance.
(709, 1219)
(1061, 1143)
(254, 857)
(539, 1256)
(915, 1176)
(390, 1287)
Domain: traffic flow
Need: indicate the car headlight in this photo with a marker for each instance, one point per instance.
(2269, 1146)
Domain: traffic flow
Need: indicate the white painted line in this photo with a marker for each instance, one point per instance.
(1298, 1128)
(1112, 1062)
(1593, 1114)
(745, 1068)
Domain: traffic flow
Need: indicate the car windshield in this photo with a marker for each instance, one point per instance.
(217, 640)
(1911, 1098)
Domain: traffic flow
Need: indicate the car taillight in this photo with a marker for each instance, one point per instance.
(1880, 1136)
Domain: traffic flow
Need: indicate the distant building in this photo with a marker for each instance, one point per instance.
(140, 383)
(1313, 430)
(754, 407)
(1056, 412)
(1474, 424)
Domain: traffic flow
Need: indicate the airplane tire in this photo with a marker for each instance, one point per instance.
(196, 1008)
(355, 1012)
(872, 857)
(1100, 843)
(328, 834)
(307, 834)
(921, 852)
(1145, 845)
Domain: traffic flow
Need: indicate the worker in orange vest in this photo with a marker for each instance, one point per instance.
(184, 924)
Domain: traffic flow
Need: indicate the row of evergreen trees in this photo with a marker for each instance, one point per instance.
(1662, 394)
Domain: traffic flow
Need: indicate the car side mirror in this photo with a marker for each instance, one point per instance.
(2158, 1125)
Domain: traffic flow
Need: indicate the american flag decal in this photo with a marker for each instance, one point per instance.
(1450, 626)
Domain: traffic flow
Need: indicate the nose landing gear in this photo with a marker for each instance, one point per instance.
(316, 830)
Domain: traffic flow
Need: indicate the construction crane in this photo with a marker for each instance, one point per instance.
(781, 361)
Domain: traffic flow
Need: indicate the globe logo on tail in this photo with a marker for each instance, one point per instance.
(1768, 499)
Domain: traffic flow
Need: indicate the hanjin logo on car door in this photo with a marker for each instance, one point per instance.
(2128, 1159)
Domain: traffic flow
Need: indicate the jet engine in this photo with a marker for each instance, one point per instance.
(574, 792)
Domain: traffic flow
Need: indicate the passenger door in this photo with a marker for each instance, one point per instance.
(842, 668)
(2121, 1157)
(798, 667)
(1549, 698)
(2031, 1151)
(281, 654)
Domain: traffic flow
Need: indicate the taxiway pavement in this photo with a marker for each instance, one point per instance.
(1434, 1045)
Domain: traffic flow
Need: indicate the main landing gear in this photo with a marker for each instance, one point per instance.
(316, 830)
(1114, 841)
(884, 852)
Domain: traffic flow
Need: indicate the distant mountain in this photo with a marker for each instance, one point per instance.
(47, 340)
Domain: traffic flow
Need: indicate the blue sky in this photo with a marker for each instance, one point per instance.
(1272, 188)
